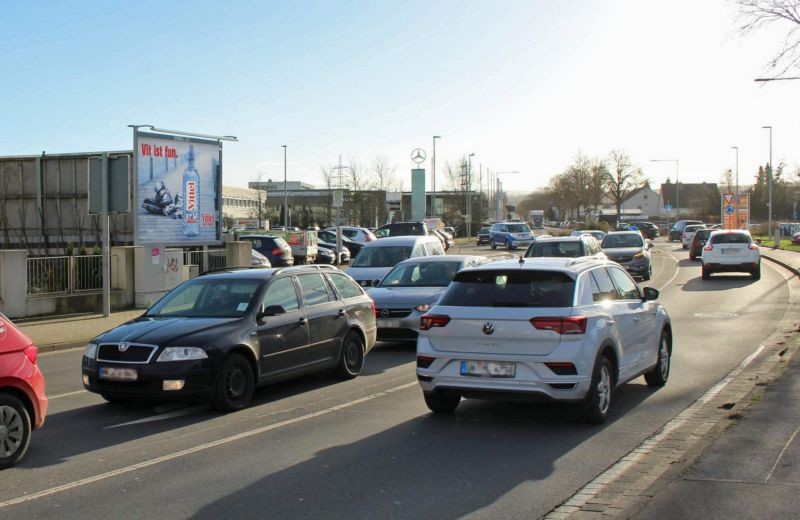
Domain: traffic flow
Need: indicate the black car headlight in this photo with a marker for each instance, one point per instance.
(182, 354)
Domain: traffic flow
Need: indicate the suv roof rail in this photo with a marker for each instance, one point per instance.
(232, 268)
(580, 259)
(319, 267)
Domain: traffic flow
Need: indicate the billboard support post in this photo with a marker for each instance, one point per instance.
(106, 259)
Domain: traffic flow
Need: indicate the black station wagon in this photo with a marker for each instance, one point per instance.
(218, 336)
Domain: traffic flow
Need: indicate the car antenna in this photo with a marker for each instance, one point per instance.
(521, 260)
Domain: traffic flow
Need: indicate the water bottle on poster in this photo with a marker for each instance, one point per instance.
(191, 198)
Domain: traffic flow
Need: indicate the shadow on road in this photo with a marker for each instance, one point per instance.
(94, 427)
(428, 467)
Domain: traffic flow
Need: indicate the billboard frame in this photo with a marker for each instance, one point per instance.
(135, 183)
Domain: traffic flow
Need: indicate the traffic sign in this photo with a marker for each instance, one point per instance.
(667, 207)
(728, 198)
(729, 210)
(338, 198)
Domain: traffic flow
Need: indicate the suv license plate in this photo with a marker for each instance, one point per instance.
(488, 369)
(118, 374)
(729, 251)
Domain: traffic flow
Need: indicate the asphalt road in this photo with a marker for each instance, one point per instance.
(368, 448)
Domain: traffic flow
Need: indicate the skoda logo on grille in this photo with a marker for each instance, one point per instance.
(488, 328)
(384, 313)
(123, 347)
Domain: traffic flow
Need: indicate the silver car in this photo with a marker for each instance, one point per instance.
(409, 291)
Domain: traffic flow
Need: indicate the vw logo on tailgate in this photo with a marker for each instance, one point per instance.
(488, 328)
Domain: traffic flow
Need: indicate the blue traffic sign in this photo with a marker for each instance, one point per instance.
(668, 207)
(729, 210)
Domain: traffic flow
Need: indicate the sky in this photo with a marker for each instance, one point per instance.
(524, 85)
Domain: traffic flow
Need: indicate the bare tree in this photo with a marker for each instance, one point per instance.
(385, 179)
(726, 181)
(622, 180)
(455, 175)
(756, 14)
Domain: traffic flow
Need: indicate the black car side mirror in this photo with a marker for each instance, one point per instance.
(650, 293)
(375, 282)
(271, 310)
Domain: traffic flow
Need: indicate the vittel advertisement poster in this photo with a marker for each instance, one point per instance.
(177, 190)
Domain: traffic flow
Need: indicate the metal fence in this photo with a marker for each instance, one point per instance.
(65, 275)
(206, 260)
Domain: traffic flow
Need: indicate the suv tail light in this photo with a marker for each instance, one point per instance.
(753, 247)
(709, 247)
(31, 352)
(374, 309)
(277, 251)
(562, 368)
(367, 238)
(428, 321)
(424, 361)
(564, 326)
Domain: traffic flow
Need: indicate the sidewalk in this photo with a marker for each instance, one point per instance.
(64, 332)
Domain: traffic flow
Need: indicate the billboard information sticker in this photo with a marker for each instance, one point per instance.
(177, 191)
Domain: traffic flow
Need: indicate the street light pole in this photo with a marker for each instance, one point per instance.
(736, 196)
(769, 181)
(433, 176)
(468, 205)
(285, 194)
(498, 198)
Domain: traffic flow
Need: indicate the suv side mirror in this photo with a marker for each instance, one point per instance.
(271, 310)
(650, 293)
(375, 282)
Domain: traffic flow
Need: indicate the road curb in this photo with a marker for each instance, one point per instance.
(782, 264)
(55, 347)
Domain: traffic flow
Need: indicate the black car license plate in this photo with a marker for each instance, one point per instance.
(118, 374)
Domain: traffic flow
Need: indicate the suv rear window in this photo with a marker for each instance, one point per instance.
(730, 238)
(517, 288)
(571, 249)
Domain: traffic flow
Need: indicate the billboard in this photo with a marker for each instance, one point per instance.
(178, 184)
(735, 211)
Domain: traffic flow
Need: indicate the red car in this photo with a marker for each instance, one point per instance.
(23, 404)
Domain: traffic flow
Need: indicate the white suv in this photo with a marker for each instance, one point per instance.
(556, 328)
(357, 234)
(731, 250)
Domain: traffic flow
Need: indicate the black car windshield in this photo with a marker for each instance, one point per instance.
(421, 274)
(386, 256)
(513, 288)
(612, 241)
(203, 298)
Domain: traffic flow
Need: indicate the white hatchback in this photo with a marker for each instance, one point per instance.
(555, 328)
(688, 234)
(731, 250)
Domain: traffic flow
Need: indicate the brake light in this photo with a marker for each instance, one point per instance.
(367, 238)
(708, 248)
(753, 247)
(563, 326)
(562, 369)
(428, 321)
(277, 251)
(374, 308)
(31, 352)
(424, 361)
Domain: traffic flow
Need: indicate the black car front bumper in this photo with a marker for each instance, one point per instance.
(199, 376)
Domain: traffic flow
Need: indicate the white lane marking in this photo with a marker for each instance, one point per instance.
(195, 449)
(673, 276)
(596, 486)
(161, 417)
(58, 396)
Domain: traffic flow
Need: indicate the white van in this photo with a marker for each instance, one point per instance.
(378, 257)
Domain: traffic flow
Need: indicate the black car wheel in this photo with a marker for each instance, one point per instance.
(234, 385)
(15, 430)
(351, 359)
(494, 246)
(756, 273)
(438, 403)
(706, 273)
(598, 399)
